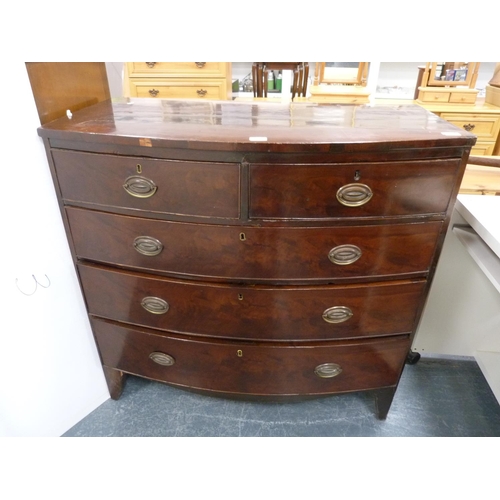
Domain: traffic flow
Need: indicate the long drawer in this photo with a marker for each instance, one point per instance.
(178, 69)
(149, 185)
(252, 312)
(252, 368)
(179, 89)
(483, 125)
(255, 254)
(351, 190)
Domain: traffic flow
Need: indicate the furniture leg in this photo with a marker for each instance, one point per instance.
(383, 401)
(295, 82)
(412, 357)
(304, 81)
(115, 380)
(260, 77)
(254, 79)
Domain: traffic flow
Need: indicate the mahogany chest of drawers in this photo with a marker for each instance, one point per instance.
(256, 250)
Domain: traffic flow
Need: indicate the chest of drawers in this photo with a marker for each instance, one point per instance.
(256, 250)
(178, 80)
(481, 119)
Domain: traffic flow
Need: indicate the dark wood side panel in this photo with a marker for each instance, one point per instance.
(253, 312)
(252, 368)
(177, 187)
(254, 253)
(309, 191)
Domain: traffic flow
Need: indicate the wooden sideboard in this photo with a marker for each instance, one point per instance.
(256, 250)
(178, 80)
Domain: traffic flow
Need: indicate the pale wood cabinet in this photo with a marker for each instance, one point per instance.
(178, 80)
(482, 120)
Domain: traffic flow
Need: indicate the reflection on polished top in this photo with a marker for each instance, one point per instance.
(258, 125)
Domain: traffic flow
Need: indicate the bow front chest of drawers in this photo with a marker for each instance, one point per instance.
(256, 250)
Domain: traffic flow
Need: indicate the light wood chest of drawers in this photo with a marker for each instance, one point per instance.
(482, 120)
(256, 250)
(178, 80)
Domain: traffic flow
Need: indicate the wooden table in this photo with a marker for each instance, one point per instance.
(482, 176)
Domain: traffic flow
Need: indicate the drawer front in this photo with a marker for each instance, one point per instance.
(252, 313)
(463, 97)
(254, 253)
(483, 148)
(252, 369)
(175, 89)
(354, 190)
(426, 96)
(161, 186)
(177, 69)
(483, 125)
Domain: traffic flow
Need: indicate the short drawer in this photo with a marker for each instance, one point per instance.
(252, 368)
(254, 253)
(179, 89)
(149, 185)
(178, 69)
(463, 97)
(252, 312)
(485, 126)
(429, 96)
(351, 190)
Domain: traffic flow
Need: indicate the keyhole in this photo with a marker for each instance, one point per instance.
(139, 168)
(240, 296)
(239, 353)
(242, 237)
(357, 175)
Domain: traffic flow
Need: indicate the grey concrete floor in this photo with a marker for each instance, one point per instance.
(436, 397)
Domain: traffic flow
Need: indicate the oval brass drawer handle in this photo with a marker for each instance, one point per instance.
(146, 245)
(344, 255)
(162, 358)
(139, 186)
(337, 314)
(155, 305)
(354, 195)
(328, 370)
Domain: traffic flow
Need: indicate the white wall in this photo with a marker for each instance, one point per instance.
(50, 375)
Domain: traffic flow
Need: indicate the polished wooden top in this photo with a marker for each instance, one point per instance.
(261, 126)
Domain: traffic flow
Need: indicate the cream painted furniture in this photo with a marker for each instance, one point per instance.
(178, 80)
(461, 317)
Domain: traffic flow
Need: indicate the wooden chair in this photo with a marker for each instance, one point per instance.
(260, 76)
